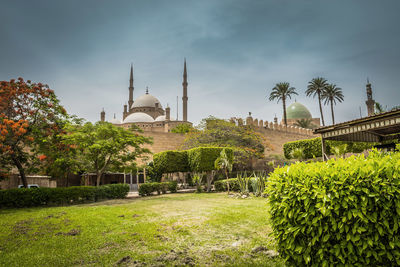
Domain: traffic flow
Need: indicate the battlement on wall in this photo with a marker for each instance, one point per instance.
(272, 126)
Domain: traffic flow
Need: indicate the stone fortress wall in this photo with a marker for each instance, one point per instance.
(276, 134)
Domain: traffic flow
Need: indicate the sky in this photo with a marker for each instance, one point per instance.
(236, 52)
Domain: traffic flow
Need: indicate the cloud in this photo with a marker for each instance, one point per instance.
(236, 52)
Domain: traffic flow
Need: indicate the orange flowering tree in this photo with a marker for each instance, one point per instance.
(30, 114)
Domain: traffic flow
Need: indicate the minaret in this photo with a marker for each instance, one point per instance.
(130, 101)
(370, 102)
(103, 115)
(168, 113)
(184, 97)
(125, 113)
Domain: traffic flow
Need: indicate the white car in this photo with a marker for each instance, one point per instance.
(29, 186)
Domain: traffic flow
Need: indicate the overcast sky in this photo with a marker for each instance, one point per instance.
(236, 52)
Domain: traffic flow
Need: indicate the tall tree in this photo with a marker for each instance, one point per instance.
(246, 141)
(103, 146)
(282, 91)
(331, 94)
(316, 87)
(29, 114)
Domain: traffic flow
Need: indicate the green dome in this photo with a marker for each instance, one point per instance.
(297, 111)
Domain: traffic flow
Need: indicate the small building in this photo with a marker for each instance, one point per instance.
(15, 180)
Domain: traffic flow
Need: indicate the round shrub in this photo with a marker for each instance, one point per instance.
(339, 212)
(171, 161)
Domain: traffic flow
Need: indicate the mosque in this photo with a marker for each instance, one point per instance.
(146, 111)
(297, 111)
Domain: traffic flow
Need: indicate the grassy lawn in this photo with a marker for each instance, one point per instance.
(174, 229)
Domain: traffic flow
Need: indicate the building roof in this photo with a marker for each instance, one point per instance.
(376, 128)
(160, 118)
(298, 111)
(146, 100)
(138, 117)
(115, 121)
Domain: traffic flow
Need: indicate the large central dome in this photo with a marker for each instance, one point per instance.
(297, 111)
(146, 100)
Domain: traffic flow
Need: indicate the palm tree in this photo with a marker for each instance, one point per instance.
(379, 108)
(305, 123)
(224, 162)
(332, 94)
(282, 91)
(317, 87)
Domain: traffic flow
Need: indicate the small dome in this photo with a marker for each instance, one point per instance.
(146, 100)
(138, 117)
(297, 111)
(115, 121)
(160, 118)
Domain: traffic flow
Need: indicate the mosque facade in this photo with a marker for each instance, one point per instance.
(147, 112)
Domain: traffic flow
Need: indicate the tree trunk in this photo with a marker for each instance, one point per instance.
(21, 171)
(210, 178)
(227, 180)
(333, 116)
(284, 111)
(320, 109)
(98, 178)
(66, 178)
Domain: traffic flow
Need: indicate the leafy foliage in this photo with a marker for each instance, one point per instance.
(317, 87)
(183, 128)
(30, 197)
(214, 132)
(225, 163)
(103, 146)
(305, 123)
(343, 212)
(312, 147)
(171, 161)
(222, 185)
(282, 91)
(202, 159)
(331, 95)
(30, 114)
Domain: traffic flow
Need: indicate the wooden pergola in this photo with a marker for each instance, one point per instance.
(377, 128)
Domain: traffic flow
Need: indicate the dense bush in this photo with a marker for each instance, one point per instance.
(339, 212)
(221, 185)
(202, 159)
(148, 189)
(171, 161)
(312, 147)
(30, 197)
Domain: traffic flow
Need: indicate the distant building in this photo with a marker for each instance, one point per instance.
(147, 112)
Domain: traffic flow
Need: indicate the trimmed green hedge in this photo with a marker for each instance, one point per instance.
(202, 159)
(30, 197)
(312, 147)
(171, 161)
(339, 212)
(147, 189)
